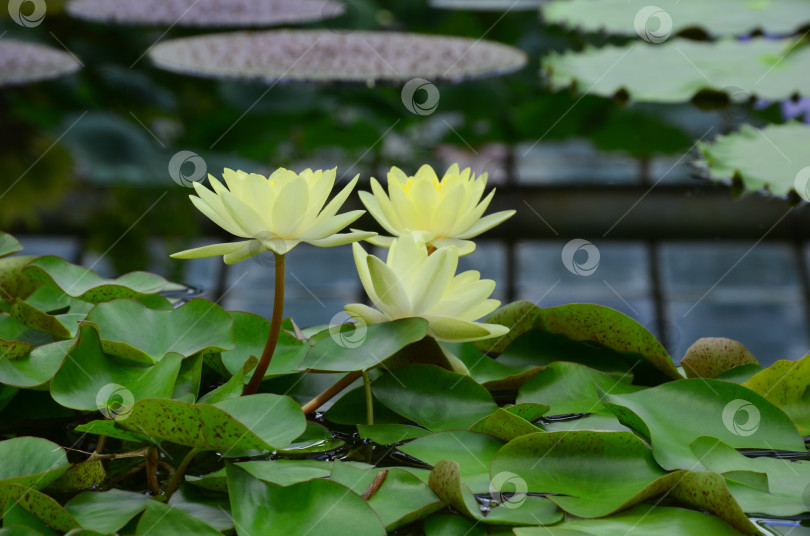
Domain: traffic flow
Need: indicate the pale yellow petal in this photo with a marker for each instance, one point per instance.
(223, 219)
(214, 250)
(289, 210)
(337, 202)
(361, 264)
(341, 239)
(468, 219)
(446, 328)
(373, 207)
(393, 300)
(381, 241)
(326, 227)
(464, 247)
(386, 207)
(251, 223)
(367, 314)
(434, 277)
(486, 223)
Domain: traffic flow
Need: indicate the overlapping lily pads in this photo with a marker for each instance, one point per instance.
(772, 159)
(24, 63)
(205, 13)
(325, 56)
(721, 17)
(678, 69)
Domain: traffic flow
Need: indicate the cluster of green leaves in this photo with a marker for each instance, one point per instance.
(109, 393)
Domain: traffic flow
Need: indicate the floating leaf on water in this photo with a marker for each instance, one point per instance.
(24, 63)
(205, 13)
(679, 70)
(772, 159)
(326, 56)
(720, 17)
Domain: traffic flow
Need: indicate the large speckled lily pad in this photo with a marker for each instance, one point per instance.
(24, 63)
(719, 17)
(678, 69)
(770, 159)
(205, 13)
(325, 56)
(487, 5)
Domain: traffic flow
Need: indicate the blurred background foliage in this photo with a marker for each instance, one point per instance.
(87, 154)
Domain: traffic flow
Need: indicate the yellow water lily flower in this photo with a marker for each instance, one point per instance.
(275, 213)
(444, 212)
(412, 283)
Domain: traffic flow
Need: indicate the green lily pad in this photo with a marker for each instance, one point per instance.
(586, 324)
(642, 520)
(81, 476)
(673, 415)
(388, 434)
(711, 357)
(63, 326)
(110, 428)
(491, 373)
(130, 330)
(786, 384)
(187, 385)
(212, 508)
(786, 484)
(453, 525)
(263, 422)
(250, 335)
(505, 425)
(471, 450)
(571, 388)
(593, 473)
(519, 509)
(91, 380)
(594, 423)
(401, 499)
(8, 245)
(287, 472)
(14, 281)
(381, 341)
(741, 374)
(729, 17)
(36, 369)
(770, 159)
(16, 339)
(434, 398)
(233, 387)
(165, 520)
(315, 507)
(85, 284)
(678, 69)
(106, 511)
(40, 505)
(31, 461)
(351, 409)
